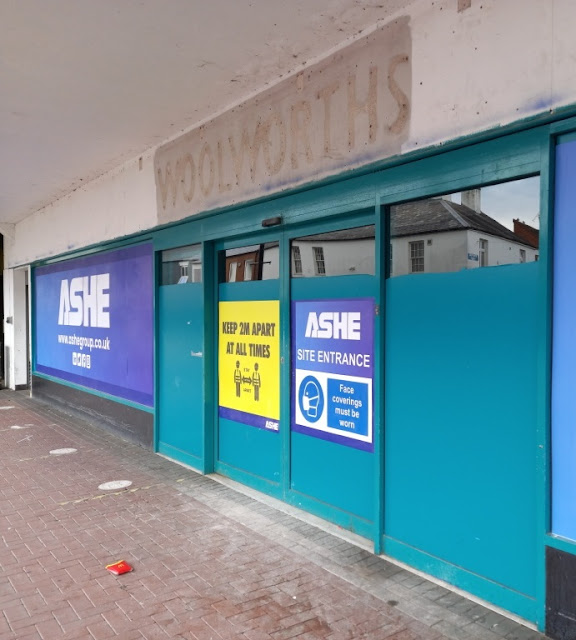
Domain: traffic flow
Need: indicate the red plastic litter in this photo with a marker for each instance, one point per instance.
(118, 568)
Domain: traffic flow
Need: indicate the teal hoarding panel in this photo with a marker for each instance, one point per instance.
(249, 449)
(175, 453)
(461, 406)
(334, 474)
(180, 385)
(257, 290)
(524, 606)
(361, 286)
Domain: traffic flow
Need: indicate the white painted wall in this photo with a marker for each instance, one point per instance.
(341, 257)
(491, 64)
(117, 204)
(271, 266)
(449, 251)
(446, 253)
(500, 251)
(443, 253)
(350, 257)
(15, 322)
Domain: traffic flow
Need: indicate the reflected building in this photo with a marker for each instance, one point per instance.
(253, 262)
(337, 253)
(182, 265)
(437, 236)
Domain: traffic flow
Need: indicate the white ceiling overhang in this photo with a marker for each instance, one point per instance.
(89, 84)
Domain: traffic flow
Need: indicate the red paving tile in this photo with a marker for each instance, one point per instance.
(197, 574)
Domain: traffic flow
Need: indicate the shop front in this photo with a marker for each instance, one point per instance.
(332, 308)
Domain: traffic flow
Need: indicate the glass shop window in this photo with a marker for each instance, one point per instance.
(182, 265)
(250, 263)
(416, 256)
(483, 227)
(319, 264)
(296, 261)
(345, 252)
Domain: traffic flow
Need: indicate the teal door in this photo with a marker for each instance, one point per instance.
(248, 440)
(180, 355)
(333, 301)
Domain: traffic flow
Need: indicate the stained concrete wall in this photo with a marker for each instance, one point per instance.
(117, 204)
(434, 72)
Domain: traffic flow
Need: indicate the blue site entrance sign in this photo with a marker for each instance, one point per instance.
(333, 370)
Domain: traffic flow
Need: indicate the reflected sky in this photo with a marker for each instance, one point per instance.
(509, 200)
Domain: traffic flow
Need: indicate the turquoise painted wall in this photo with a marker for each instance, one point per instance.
(461, 391)
(181, 386)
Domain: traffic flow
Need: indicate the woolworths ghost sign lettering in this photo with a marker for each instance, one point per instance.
(349, 109)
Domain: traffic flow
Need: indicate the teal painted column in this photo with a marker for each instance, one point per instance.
(379, 372)
(285, 364)
(210, 279)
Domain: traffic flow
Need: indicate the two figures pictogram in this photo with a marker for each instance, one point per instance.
(253, 379)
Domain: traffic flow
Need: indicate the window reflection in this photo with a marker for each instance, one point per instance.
(296, 261)
(249, 263)
(182, 265)
(336, 253)
(484, 227)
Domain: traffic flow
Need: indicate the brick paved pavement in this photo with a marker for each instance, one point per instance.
(210, 562)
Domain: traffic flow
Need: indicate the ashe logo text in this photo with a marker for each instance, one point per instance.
(335, 325)
(85, 301)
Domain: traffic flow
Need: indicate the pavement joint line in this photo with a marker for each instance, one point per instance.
(100, 496)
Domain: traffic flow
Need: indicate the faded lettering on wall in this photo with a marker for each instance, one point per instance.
(348, 109)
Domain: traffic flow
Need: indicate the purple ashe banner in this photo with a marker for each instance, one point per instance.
(333, 369)
(564, 347)
(94, 322)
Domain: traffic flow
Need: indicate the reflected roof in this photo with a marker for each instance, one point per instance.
(436, 215)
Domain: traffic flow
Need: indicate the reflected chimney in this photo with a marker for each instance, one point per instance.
(530, 235)
(471, 198)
